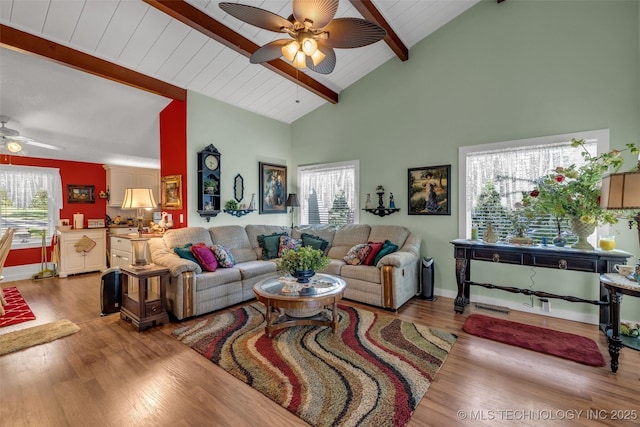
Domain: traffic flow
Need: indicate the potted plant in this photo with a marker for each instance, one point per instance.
(210, 187)
(231, 205)
(573, 192)
(302, 263)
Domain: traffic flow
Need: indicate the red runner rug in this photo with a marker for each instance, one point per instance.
(17, 310)
(372, 372)
(568, 346)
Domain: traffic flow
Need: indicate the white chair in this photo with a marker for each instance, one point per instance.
(5, 247)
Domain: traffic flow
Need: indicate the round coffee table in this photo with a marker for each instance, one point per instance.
(286, 294)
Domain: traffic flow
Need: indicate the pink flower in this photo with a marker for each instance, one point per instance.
(534, 193)
(559, 178)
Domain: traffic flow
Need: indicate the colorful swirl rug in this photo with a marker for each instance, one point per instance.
(372, 372)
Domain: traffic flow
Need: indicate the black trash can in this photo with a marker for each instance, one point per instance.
(111, 291)
(427, 278)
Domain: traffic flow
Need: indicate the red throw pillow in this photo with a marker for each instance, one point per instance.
(375, 248)
(205, 257)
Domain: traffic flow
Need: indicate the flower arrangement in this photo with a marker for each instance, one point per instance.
(574, 191)
(302, 258)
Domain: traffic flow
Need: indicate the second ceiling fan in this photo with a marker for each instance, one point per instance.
(313, 31)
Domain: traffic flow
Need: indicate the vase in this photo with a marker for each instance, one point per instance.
(303, 276)
(490, 235)
(583, 231)
(559, 240)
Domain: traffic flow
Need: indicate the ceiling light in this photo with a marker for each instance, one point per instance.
(300, 61)
(309, 46)
(289, 50)
(317, 57)
(13, 146)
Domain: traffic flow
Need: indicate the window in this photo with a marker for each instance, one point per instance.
(329, 193)
(495, 175)
(30, 202)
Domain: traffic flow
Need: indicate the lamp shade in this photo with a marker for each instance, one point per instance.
(621, 191)
(139, 198)
(292, 200)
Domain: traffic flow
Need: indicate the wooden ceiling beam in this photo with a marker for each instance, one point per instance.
(200, 21)
(370, 12)
(22, 42)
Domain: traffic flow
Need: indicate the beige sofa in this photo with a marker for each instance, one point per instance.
(193, 292)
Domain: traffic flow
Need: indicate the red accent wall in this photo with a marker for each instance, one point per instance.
(173, 151)
(78, 173)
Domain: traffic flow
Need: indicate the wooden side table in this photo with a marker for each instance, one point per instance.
(618, 285)
(144, 295)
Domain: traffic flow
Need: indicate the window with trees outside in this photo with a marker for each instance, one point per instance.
(328, 193)
(30, 202)
(495, 175)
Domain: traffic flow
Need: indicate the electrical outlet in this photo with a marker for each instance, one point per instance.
(546, 305)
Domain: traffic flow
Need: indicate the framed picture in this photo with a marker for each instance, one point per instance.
(429, 190)
(171, 192)
(273, 188)
(80, 193)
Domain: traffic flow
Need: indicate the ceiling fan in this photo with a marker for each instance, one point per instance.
(11, 140)
(313, 31)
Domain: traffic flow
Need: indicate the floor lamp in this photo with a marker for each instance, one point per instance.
(139, 198)
(292, 201)
(622, 191)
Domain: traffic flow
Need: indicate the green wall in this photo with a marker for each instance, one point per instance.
(498, 72)
(243, 139)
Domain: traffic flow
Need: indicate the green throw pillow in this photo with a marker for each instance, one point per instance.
(314, 241)
(387, 249)
(270, 245)
(185, 252)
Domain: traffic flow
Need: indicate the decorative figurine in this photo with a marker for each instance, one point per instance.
(392, 203)
(252, 203)
(367, 203)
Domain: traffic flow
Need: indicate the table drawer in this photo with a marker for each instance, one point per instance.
(496, 256)
(567, 263)
(121, 244)
(153, 307)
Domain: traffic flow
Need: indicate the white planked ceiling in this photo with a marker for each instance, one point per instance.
(135, 35)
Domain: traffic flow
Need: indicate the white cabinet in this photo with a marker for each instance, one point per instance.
(121, 251)
(120, 178)
(72, 261)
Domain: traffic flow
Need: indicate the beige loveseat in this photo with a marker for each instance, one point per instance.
(193, 292)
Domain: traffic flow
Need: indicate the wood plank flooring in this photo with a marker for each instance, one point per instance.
(110, 375)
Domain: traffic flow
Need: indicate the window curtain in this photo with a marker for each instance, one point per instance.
(23, 182)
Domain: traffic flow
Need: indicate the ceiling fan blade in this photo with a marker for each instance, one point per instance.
(269, 51)
(320, 12)
(346, 33)
(43, 145)
(328, 63)
(255, 16)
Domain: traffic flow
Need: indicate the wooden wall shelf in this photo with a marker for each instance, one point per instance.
(382, 211)
(208, 214)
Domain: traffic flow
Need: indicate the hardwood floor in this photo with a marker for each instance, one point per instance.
(110, 375)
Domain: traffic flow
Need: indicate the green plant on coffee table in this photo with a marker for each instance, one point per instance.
(303, 258)
(231, 205)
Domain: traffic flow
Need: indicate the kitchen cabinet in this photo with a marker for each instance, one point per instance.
(73, 262)
(120, 178)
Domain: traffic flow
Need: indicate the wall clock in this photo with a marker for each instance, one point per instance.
(209, 202)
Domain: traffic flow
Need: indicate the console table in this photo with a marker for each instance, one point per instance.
(593, 261)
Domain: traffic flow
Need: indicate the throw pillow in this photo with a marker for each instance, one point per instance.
(185, 252)
(205, 256)
(223, 256)
(270, 245)
(287, 243)
(375, 248)
(387, 249)
(357, 254)
(314, 241)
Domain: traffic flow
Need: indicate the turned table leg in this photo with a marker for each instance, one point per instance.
(462, 275)
(615, 343)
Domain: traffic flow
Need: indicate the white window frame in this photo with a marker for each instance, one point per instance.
(464, 217)
(314, 167)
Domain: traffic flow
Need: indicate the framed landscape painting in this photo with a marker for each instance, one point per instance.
(273, 188)
(80, 193)
(429, 190)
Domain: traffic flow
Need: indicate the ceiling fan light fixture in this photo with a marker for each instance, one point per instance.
(289, 50)
(14, 147)
(309, 46)
(300, 61)
(317, 57)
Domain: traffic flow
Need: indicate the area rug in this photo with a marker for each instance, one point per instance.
(372, 372)
(36, 335)
(17, 310)
(568, 346)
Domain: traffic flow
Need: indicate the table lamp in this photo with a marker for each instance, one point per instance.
(139, 198)
(293, 202)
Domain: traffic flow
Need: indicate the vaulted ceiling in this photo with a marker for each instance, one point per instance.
(165, 48)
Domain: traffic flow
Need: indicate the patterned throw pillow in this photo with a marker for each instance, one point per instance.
(375, 249)
(185, 252)
(315, 242)
(223, 256)
(205, 257)
(387, 248)
(357, 254)
(270, 245)
(286, 243)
